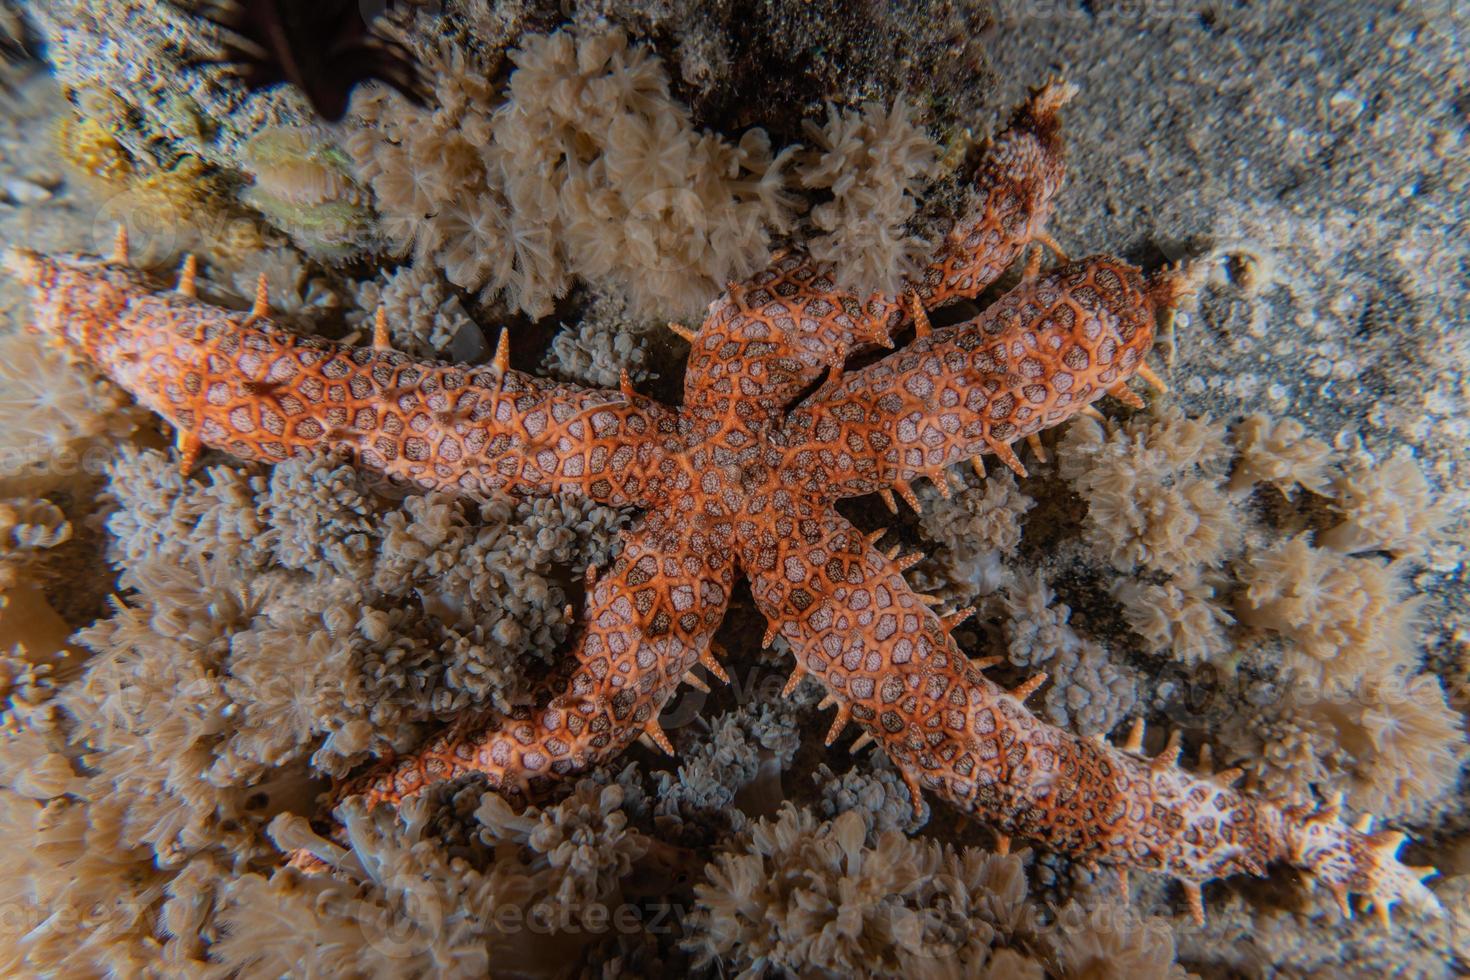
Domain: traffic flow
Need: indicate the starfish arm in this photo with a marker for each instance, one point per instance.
(768, 339)
(1015, 182)
(647, 622)
(890, 665)
(1042, 353)
(239, 383)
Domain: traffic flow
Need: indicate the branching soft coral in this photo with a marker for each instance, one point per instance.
(57, 421)
(577, 852)
(974, 529)
(491, 579)
(1387, 506)
(83, 899)
(156, 512)
(154, 747)
(1181, 617)
(65, 858)
(35, 761)
(318, 517)
(558, 871)
(1036, 627)
(418, 611)
(1408, 742)
(805, 896)
(296, 295)
(1393, 747)
(585, 167)
(876, 164)
(736, 765)
(415, 911)
(1112, 943)
(328, 668)
(424, 315)
(1349, 617)
(606, 342)
(29, 526)
(1152, 487)
(876, 794)
(1352, 628)
(1088, 692)
(220, 571)
(1290, 754)
(1281, 453)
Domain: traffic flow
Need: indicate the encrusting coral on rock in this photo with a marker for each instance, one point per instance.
(303, 184)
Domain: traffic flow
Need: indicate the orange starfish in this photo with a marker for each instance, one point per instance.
(742, 479)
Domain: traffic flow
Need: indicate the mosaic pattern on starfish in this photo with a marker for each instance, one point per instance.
(741, 479)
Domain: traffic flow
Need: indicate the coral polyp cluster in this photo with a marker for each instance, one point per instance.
(742, 479)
